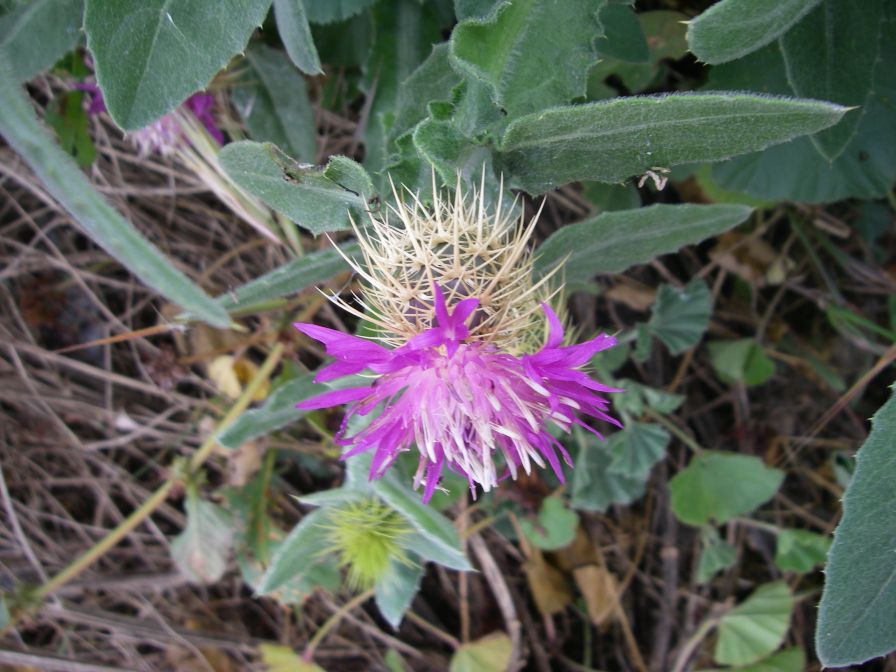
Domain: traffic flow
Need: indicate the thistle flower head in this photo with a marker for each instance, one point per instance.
(366, 535)
(165, 135)
(160, 137)
(465, 248)
(451, 291)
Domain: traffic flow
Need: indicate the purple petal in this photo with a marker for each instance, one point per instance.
(555, 327)
(462, 311)
(439, 305)
(433, 474)
(338, 369)
(344, 346)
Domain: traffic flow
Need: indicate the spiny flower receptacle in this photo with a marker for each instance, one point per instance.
(457, 372)
(366, 535)
(468, 252)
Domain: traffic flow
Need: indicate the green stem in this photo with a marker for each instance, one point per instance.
(106, 543)
(246, 398)
(672, 427)
(291, 231)
(691, 645)
(331, 622)
(156, 499)
(758, 524)
(426, 625)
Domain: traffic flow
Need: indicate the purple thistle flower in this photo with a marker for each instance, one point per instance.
(164, 134)
(462, 402)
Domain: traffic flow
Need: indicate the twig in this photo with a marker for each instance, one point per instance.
(463, 579)
(332, 622)
(161, 494)
(499, 589)
(51, 663)
(17, 528)
(429, 627)
(885, 360)
(695, 640)
(662, 633)
(680, 434)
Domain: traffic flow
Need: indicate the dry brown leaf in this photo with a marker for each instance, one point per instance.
(635, 297)
(200, 339)
(221, 372)
(243, 463)
(600, 590)
(751, 258)
(246, 370)
(580, 552)
(549, 586)
(229, 375)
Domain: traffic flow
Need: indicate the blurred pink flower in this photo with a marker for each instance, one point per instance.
(164, 134)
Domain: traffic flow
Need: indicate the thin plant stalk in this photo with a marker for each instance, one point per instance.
(331, 622)
(200, 155)
(160, 495)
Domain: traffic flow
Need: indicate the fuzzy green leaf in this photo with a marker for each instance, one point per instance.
(292, 277)
(277, 411)
(67, 116)
(680, 316)
(636, 449)
(433, 80)
(284, 659)
(59, 173)
(716, 555)
(830, 55)
(857, 616)
(452, 154)
(295, 33)
(492, 653)
(474, 9)
(202, 549)
(396, 588)
(150, 55)
(731, 28)
(272, 99)
(517, 47)
(403, 34)
(800, 550)
(639, 397)
(664, 31)
(593, 487)
(742, 360)
(615, 241)
(330, 11)
(613, 140)
(756, 627)
(718, 486)
(37, 34)
(795, 171)
(297, 555)
(436, 538)
(555, 528)
(788, 660)
(611, 197)
(623, 37)
(319, 200)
